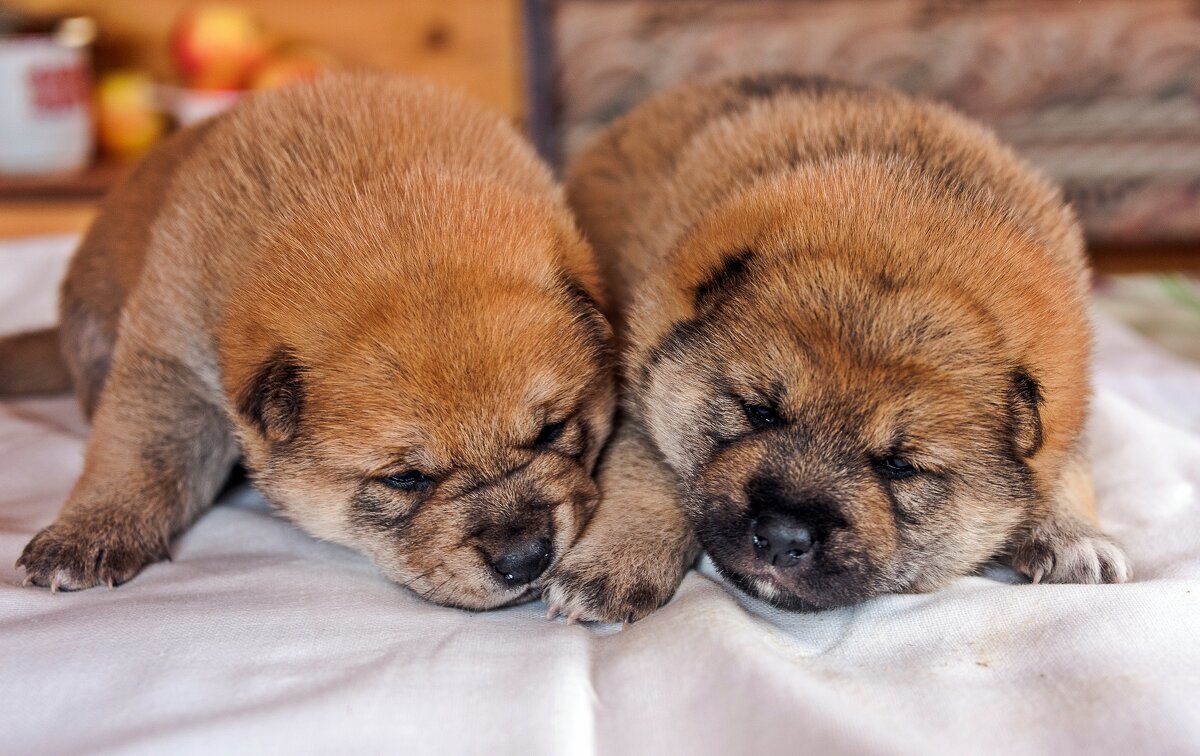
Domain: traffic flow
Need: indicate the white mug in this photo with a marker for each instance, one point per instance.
(45, 106)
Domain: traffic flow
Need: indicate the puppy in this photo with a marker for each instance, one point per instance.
(371, 292)
(855, 334)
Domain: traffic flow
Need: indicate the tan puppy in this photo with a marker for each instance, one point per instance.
(371, 291)
(856, 333)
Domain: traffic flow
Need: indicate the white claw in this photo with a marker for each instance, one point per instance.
(1036, 577)
(54, 584)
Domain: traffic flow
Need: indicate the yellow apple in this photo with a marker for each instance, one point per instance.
(128, 119)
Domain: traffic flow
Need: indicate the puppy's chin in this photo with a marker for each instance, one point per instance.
(476, 593)
(791, 595)
(768, 589)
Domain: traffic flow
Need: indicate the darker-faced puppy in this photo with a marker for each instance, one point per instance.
(371, 292)
(855, 335)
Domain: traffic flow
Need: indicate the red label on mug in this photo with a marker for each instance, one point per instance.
(57, 88)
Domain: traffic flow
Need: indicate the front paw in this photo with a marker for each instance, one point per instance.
(602, 585)
(73, 556)
(1070, 552)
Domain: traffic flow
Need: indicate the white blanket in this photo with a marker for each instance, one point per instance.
(259, 639)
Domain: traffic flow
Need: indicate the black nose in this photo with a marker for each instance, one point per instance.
(780, 540)
(523, 563)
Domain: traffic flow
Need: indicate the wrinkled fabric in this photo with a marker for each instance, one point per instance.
(260, 639)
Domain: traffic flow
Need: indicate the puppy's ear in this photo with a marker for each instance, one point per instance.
(723, 281)
(1024, 402)
(274, 398)
(588, 312)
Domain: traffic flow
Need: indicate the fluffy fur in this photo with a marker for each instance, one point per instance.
(850, 311)
(371, 292)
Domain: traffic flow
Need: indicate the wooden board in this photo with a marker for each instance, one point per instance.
(31, 218)
(89, 184)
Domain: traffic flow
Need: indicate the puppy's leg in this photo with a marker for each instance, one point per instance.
(1067, 546)
(158, 453)
(637, 547)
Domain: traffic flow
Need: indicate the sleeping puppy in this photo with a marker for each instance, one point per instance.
(371, 292)
(855, 336)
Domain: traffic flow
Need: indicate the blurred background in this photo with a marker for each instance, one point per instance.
(86, 86)
(1102, 94)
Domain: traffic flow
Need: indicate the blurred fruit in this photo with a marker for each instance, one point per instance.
(290, 65)
(128, 119)
(217, 46)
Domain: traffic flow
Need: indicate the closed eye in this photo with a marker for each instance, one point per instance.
(550, 433)
(410, 480)
(895, 467)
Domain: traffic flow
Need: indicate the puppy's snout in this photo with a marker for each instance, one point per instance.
(523, 563)
(781, 540)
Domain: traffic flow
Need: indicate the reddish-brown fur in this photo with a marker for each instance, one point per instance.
(339, 283)
(888, 282)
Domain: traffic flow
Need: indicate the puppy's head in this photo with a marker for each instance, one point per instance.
(439, 407)
(847, 418)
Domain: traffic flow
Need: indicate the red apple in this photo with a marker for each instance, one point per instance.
(217, 46)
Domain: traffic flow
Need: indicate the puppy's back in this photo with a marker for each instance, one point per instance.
(339, 150)
(707, 141)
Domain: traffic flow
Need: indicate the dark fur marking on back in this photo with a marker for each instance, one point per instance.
(739, 93)
(767, 85)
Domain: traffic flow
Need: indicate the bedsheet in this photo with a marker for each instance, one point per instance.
(260, 639)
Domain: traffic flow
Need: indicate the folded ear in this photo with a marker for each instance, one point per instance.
(1024, 402)
(587, 312)
(723, 280)
(273, 400)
